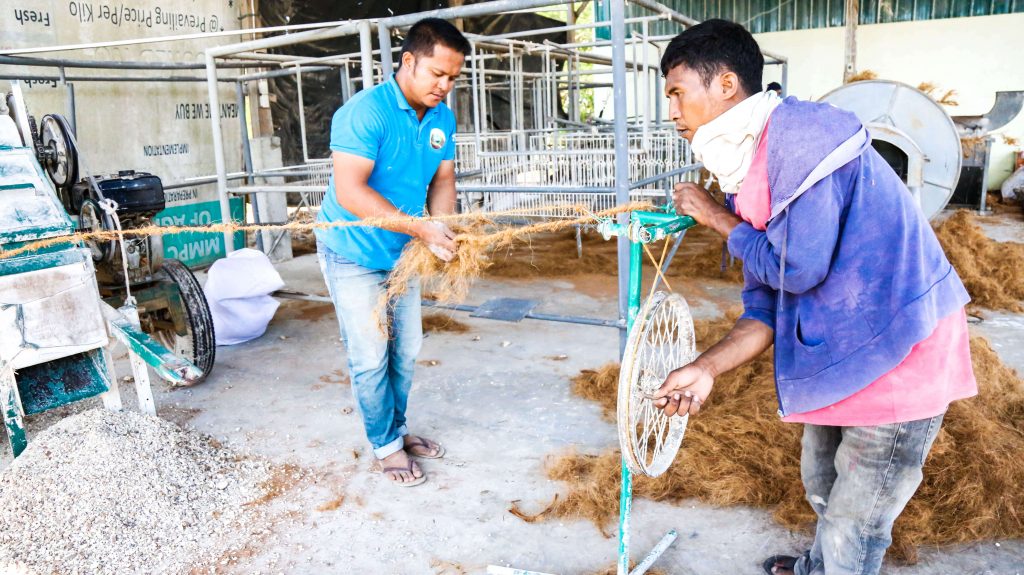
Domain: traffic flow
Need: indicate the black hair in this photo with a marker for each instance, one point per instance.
(714, 46)
(428, 32)
(773, 86)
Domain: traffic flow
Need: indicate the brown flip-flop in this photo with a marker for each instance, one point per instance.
(426, 444)
(394, 480)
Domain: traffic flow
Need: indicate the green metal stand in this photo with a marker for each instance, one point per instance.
(643, 228)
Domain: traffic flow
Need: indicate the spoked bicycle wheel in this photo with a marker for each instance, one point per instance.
(660, 341)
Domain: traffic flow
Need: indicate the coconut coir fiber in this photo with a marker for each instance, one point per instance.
(992, 271)
(556, 255)
(738, 452)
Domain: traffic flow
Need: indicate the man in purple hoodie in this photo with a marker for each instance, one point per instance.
(842, 273)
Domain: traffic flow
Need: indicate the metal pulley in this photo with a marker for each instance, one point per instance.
(912, 132)
(57, 151)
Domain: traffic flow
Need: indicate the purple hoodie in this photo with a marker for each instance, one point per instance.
(848, 273)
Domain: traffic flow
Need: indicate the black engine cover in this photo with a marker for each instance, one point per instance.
(134, 192)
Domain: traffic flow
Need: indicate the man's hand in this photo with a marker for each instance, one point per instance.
(439, 238)
(693, 200)
(684, 390)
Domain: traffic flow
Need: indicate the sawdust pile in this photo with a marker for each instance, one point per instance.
(556, 255)
(992, 271)
(738, 452)
(104, 492)
(439, 323)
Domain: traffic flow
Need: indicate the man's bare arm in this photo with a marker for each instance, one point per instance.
(688, 387)
(353, 192)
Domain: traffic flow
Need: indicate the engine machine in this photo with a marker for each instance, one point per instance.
(171, 303)
(55, 327)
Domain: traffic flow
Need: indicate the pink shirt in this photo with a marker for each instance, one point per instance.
(937, 371)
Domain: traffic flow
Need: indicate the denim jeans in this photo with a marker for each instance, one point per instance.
(858, 480)
(381, 367)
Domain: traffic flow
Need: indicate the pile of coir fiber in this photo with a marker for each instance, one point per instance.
(992, 271)
(738, 452)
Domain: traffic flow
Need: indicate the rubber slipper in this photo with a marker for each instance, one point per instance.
(778, 561)
(426, 444)
(394, 480)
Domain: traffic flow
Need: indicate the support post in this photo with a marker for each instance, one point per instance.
(218, 149)
(366, 53)
(852, 16)
(13, 419)
(247, 156)
(621, 153)
(139, 369)
(384, 40)
(626, 262)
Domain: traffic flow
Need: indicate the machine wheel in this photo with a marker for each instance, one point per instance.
(60, 154)
(92, 218)
(199, 345)
(660, 341)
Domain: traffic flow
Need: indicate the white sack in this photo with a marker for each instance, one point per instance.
(237, 289)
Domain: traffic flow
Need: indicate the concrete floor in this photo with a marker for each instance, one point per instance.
(500, 403)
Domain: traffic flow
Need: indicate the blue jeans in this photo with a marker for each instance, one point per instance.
(381, 367)
(858, 480)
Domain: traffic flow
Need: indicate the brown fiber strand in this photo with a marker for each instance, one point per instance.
(449, 282)
(380, 222)
(738, 452)
(992, 271)
(862, 76)
(555, 255)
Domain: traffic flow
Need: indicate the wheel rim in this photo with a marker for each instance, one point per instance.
(661, 340)
(89, 220)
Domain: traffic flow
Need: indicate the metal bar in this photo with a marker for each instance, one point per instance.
(174, 38)
(654, 6)
(36, 78)
(621, 150)
(289, 294)
(170, 367)
(72, 110)
(676, 172)
(112, 65)
(247, 157)
(218, 149)
(366, 54)
(499, 570)
(569, 27)
(655, 553)
(346, 84)
(278, 73)
(302, 114)
(384, 40)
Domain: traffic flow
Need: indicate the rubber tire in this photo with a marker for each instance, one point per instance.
(197, 311)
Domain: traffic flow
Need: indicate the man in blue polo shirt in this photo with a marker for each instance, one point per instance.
(393, 153)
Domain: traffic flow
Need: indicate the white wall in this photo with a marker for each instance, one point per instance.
(975, 56)
(159, 127)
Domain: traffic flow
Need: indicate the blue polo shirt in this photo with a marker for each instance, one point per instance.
(379, 124)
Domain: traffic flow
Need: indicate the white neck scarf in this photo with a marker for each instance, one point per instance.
(727, 144)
